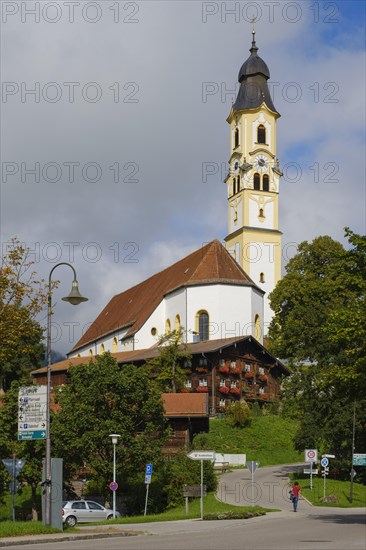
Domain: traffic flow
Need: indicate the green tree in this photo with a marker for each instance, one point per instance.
(319, 327)
(30, 451)
(100, 399)
(238, 414)
(167, 366)
(22, 297)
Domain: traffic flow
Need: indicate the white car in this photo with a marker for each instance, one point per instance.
(84, 511)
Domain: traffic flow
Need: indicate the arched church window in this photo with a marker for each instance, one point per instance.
(261, 134)
(266, 182)
(177, 323)
(262, 278)
(115, 345)
(167, 326)
(102, 349)
(234, 186)
(257, 182)
(261, 213)
(203, 326)
(236, 139)
(238, 184)
(257, 328)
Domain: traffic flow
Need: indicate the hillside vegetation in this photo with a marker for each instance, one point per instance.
(268, 439)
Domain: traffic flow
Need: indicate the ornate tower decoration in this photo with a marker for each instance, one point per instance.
(253, 179)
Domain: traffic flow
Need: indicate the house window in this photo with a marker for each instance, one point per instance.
(261, 134)
(260, 370)
(222, 362)
(236, 138)
(222, 382)
(233, 364)
(203, 328)
(261, 390)
(266, 182)
(222, 403)
(232, 384)
(115, 345)
(257, 182)
(247, 367)
(188, 384)
(203, 382)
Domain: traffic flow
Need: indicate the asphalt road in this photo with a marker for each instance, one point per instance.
(311, 528)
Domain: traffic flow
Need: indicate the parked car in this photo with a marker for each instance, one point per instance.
(84, 511)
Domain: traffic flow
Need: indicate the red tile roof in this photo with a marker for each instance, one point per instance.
(208, 265)
(185, 404)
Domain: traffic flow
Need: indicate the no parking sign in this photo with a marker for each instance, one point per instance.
(311, 455)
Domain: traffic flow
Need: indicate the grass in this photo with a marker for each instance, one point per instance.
(340, 489)
(269, 440)
(23, 504)
(22, 528)
(210, 506)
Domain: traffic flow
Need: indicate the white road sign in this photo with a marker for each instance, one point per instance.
(32, 412)
(311, 455)
(202, 455)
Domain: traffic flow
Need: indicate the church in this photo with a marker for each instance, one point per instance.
(218, 294)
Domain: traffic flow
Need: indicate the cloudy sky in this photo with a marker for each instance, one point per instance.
(112, 111)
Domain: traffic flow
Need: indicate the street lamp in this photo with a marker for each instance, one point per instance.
(114, 442)
(73, 298)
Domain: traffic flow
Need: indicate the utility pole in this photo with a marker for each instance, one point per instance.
(353, 450)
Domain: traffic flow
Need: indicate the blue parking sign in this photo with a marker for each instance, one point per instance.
(149, 469)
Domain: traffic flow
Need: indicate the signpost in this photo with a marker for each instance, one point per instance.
(32, 412)
(252, 465)
(193, 491)
(202, 455)
(148, 474)
(311, 455)
(13, 466)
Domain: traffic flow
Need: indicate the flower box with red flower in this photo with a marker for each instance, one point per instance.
(251, 395)
(264, 396)
(263, 378)
(236, 370)
(235, 391)
(248, 375)
(224, 390)
(201, 369)
(224, 369)
(202, 389)
(186, 390)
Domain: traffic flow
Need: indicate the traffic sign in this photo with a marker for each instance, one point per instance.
(359, 459)
(32, 412)
(147, 479)
(202, 455)
(324, 462)
(13, 466)
(149, 469)
(314, 471)
(252, 465)
(311, 455)
(113, 485)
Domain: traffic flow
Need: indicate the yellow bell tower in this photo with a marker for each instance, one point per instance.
(254, 238)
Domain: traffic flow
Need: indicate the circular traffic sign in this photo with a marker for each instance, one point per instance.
(311, 454)
(324, 462)
(113, 486)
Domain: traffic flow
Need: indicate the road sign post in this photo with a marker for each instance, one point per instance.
(202, 455)
(324, 462)
(311, 455)
(148, 474)
(13, 466)
(252, 465)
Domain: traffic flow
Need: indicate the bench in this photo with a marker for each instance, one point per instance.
(221, 466)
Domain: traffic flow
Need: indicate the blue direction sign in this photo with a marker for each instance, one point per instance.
(32, 434)
(324, 462)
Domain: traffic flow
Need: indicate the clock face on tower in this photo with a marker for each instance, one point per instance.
(260, 163)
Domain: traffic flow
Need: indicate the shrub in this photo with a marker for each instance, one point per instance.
(238, 414)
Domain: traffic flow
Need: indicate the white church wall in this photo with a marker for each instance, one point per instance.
(229, 308)
(106, 341)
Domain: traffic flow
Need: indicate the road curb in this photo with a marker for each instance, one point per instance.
(36, 539)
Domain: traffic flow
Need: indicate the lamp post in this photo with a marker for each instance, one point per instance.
(73, 298)
(114, 442)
